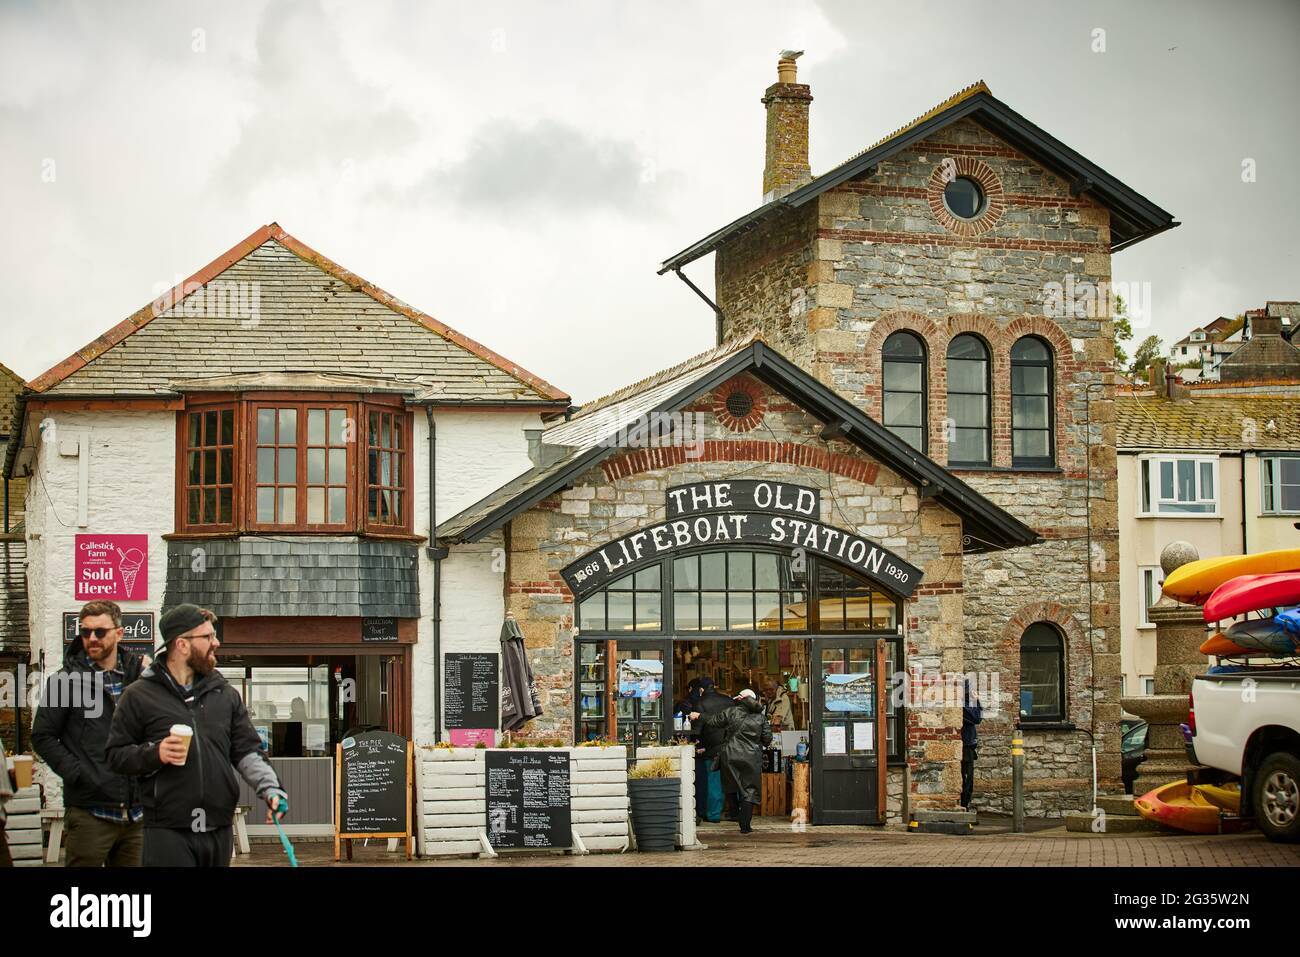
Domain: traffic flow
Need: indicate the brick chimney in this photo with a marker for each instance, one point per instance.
(787, 103)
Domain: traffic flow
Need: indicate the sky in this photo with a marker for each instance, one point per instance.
(519, 170)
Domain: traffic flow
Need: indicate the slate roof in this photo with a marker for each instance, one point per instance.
(1209, 423)
(14, 630)
(589, 439)
(1133, 216)
(311, 315)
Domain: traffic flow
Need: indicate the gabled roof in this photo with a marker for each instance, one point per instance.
(313, 316)
(1133, 217)
(591, 436)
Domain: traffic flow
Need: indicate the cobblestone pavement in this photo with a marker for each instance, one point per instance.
(856, 847)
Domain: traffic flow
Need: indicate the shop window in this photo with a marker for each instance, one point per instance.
(1179, 485)
(846, 602)
(739, 591)
(630, 604)
(1281, 485)
(903, 406)
(1031, 403)
(1042, 674)
(208, 466)
(968, 427)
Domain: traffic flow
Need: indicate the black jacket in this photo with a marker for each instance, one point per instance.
(224, 738)
(745, 734)
(711, 736)
(71, 731)
(971, 715)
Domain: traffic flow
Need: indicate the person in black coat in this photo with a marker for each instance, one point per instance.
(745, 732)
(971, 715)
(102, 808)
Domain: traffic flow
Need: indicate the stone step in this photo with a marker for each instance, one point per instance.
(1083, 823)
(958, 816)
(1117, 804)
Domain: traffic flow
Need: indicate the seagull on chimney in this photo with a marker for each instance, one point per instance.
(791, 54)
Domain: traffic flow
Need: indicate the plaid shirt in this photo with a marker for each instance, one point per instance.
(113, 683)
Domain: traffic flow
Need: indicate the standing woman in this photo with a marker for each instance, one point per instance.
(745, 733)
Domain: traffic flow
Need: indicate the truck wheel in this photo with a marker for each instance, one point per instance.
(1277, 797)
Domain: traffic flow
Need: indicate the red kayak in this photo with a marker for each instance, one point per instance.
(1252, 593)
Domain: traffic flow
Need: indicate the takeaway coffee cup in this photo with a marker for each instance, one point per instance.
(186, 734)
(22, 770)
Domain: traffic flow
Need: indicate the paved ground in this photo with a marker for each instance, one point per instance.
(1047, 845)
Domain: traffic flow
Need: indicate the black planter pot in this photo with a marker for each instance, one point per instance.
(656, 809)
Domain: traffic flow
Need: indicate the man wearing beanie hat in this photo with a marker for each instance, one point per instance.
(189, 784)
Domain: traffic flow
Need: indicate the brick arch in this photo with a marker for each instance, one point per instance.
(935, 337)
(1000, 380)
(1075, 644)
(1064, 369)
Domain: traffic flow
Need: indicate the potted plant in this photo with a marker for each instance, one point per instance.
(654, 793)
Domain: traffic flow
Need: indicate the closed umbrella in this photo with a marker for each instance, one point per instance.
(519, 699)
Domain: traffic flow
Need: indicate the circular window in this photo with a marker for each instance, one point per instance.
(740, 404)
(964, 198)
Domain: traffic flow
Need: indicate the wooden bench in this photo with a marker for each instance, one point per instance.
(240, 843)
(54, 817)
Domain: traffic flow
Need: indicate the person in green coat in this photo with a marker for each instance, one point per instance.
(745, 732)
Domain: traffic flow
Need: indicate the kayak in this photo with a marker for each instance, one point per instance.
(1252, 593)
(1261, 636)
(1289, 621)
(1194, 582)
(1188, 807)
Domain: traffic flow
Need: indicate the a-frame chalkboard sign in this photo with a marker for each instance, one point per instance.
(372, 789)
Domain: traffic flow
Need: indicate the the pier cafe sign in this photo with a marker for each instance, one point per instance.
(741, 512)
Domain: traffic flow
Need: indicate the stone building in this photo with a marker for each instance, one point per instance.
(953, 281)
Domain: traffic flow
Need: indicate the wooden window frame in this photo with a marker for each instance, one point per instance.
(401, 477)
(244, 501)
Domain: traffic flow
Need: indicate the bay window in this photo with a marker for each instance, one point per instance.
(267, 463)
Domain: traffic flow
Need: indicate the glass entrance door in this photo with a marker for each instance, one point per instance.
(642, 693)
(844, 734)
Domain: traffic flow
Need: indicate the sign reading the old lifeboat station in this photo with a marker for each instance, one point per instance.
(749, 512)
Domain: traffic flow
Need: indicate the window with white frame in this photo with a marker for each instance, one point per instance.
(1179, 485)
(1149, 591)
(1148, 684)
(1280, 477)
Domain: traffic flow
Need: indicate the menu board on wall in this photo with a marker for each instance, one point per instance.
(372, 782)
(528, 803)
(471, 690)
(137, 631)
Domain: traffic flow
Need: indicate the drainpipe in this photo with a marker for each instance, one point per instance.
(1245, 541)
(437, 554)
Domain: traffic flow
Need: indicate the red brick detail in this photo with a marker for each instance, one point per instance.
(757, 398)
(743, 450)
(969, 167)
(1076, 648)
(938, 588)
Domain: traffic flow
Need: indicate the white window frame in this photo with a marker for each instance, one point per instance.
(1149, 500)
(1267, 466)
(1148, 685)
(1155, 574)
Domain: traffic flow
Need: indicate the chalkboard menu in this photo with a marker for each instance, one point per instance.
(471, 694)
(137, 631)
(372, 786)
(378, 629)
(528, 799)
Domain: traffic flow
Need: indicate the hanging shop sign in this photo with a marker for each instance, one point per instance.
(744, 495)
(599, 568)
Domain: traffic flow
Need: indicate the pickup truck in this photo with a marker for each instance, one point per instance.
(1248, 724)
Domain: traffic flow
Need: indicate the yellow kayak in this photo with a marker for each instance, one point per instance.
(1195, 581)
(1198, 808)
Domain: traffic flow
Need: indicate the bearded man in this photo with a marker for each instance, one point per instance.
(102, 811)
(184, 731)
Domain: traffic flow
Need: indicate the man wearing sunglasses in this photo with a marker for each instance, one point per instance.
(102, 809)
(189, 785)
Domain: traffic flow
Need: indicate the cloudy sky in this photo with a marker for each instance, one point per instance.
(518, 170)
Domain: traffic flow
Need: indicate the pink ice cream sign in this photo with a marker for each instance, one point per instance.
(113, 567)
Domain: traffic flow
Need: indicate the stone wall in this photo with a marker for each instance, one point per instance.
(627, 492)
(884, 254)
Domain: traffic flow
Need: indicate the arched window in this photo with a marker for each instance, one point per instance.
(903, 371)
(1031, 403)
(968, 402)
(1042, 674)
